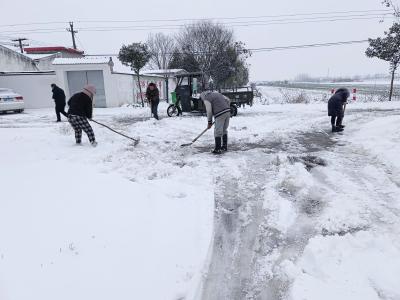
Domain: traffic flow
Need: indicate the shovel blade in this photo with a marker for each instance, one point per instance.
(186, 145)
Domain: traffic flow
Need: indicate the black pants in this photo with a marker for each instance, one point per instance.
(60, 109)
(336, 120)
(154, 108)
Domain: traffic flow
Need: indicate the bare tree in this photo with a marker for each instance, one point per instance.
(161, 48)
(390, 4)
(213, 48)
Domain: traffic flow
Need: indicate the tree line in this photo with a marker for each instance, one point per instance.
(205, 47)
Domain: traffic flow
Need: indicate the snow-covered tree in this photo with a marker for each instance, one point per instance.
(135, 56)
(388, 49)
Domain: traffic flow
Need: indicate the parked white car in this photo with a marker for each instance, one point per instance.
(11, 101)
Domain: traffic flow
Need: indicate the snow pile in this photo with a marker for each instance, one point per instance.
(360, 266)
(351, 246)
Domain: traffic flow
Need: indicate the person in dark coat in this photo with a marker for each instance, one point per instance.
(153, 95)
(336, 106)
(59, 99)
(80, 110)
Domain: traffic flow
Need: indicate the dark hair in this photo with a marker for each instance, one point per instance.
(53, 85)
(152, 84)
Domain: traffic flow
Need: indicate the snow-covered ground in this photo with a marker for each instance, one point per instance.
(112, 222)
(300, 213)
(299, 92)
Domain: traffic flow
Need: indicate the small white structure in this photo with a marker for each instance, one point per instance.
(115, 84)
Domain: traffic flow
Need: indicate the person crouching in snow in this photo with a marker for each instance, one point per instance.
(336, 105)
(80, 110)
(218, 105)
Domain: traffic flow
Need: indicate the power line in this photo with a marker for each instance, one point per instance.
(200, 19)
(307, 46)
(231, 24)
(264, 49)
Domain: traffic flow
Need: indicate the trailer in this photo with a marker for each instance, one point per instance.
(186, 97)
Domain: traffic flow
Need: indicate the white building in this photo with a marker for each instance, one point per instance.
(115, 84)
(31, 75)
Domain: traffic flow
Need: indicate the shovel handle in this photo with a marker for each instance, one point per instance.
(203, 132)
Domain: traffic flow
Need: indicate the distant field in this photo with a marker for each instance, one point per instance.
(298, 92)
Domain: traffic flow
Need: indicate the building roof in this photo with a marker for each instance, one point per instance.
(87, 60)
(31, 50)
(118, 67)
(172, 72)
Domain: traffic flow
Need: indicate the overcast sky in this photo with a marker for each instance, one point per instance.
(338, 60)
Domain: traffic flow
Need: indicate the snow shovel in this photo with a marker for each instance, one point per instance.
(196, 138)
(135, 141)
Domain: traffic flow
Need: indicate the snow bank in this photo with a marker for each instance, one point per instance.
(360, 266)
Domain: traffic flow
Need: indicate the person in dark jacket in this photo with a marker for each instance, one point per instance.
(80, 110)
(59, 99)
(336, 106)
(153, 95)
(218, 106)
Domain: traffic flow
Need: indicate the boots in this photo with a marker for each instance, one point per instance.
(337, 129)
(224, 142)
(217, 149)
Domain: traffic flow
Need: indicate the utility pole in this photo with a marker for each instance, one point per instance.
(20, 44)
(71, 29)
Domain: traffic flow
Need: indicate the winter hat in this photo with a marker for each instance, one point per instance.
(344, 92)
(204, 95)
(89, 90)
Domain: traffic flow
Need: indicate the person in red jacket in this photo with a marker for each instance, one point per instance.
(80, 110)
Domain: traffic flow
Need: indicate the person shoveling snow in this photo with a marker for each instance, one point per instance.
(218, 105)
(80, 110)
(336, 107)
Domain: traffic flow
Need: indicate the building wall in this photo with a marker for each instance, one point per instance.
(61, 71)
(46, 64)
(123, 89)
(35, 88)
(11, 61)
(119, 88)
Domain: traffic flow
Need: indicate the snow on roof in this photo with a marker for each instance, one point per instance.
(118, 67)
(40, 56)
(88, 60)
(165, 71)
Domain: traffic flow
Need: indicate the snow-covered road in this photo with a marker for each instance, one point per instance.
(312, 216)
(300, 213)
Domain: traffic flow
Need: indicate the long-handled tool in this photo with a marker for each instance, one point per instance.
(196, 138)
(135, 141)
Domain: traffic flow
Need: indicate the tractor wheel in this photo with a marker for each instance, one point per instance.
(233, 111)
(172, 111)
